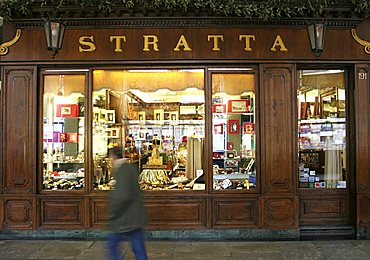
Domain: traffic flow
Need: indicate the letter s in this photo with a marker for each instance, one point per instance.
(90, 44)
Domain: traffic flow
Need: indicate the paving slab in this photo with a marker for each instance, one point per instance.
(336, 253)
(95, 252)
(189, 250)
(250, 247)
(210, 249)
(258, 256)
(61, 249)
(364, 245)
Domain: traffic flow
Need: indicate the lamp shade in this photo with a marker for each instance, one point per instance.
(316, 35)
(54, 32)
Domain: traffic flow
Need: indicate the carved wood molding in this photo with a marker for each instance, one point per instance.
(279, 212)
(364, 187)
(19, 146)
(63, 212)
(18, 214)
(178, 22)
(235, 213)
(364, 209)
(277, 81)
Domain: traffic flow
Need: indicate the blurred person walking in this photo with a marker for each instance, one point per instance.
(126, 212)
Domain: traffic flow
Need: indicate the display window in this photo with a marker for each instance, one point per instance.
(63, 132)
(233, 126)
(158, 118)
(322, 122)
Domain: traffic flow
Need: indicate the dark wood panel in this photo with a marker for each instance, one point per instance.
(2, 136)
(289, 43)
(279, 211)
(321, 209)
(19, 213)
(234, 213)
(19, 118)
(278, 129)
(2, 211)
(364, 210)
(98, 213)
(62, 212)
(185, 213)
(362, 108)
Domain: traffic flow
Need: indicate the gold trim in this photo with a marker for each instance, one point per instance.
(4, 47)
(364, 43)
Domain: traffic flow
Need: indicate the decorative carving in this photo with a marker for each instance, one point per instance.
(364, 43)
(279, 212)
(18, 214)
(178, 22)
(279, 182)
(364, 187)
(4, 48)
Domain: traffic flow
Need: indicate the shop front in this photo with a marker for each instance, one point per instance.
(239, 131)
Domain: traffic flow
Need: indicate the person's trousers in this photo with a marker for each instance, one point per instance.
(136, 238)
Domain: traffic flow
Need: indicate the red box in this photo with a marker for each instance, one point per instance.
(67, 110)
(62, 137)
(218, 129)
(238, 106)
(248, 128)
(218, 108)
(72, 137)
(233, 127)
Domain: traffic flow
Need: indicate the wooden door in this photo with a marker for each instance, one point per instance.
(18, 134)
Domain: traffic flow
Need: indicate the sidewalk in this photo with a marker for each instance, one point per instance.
(190, 250)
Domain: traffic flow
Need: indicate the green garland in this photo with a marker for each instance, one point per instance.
(265, 10)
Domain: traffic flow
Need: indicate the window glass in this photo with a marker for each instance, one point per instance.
(233, 126)
(63, 132)
(157, 117)
(322, 129)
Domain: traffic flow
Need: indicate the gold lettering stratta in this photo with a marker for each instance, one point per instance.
(278, 43)
(87, 41)
(182, 43)
(215, 39)
(247, 39)
(151, 43)
(118, 40)
(150, 40)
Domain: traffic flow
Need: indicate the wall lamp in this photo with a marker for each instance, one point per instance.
(54, 32)
(316, 35)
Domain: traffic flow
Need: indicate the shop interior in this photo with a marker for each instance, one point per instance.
(321, 101)
(158, 117)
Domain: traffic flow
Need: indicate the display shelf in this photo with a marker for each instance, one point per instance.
(322, 120)
(159, 123)
(232, 176)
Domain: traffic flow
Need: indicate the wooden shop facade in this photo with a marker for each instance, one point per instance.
(236, 125)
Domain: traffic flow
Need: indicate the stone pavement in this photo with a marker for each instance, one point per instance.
(190, 250)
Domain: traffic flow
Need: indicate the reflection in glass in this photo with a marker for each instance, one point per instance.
(233, 122)
(322, 129)
(157, 116)
(63, 132)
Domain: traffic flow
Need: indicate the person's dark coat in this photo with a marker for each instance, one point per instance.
(126, 210)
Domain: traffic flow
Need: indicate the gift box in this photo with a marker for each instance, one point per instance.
(67, 110)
